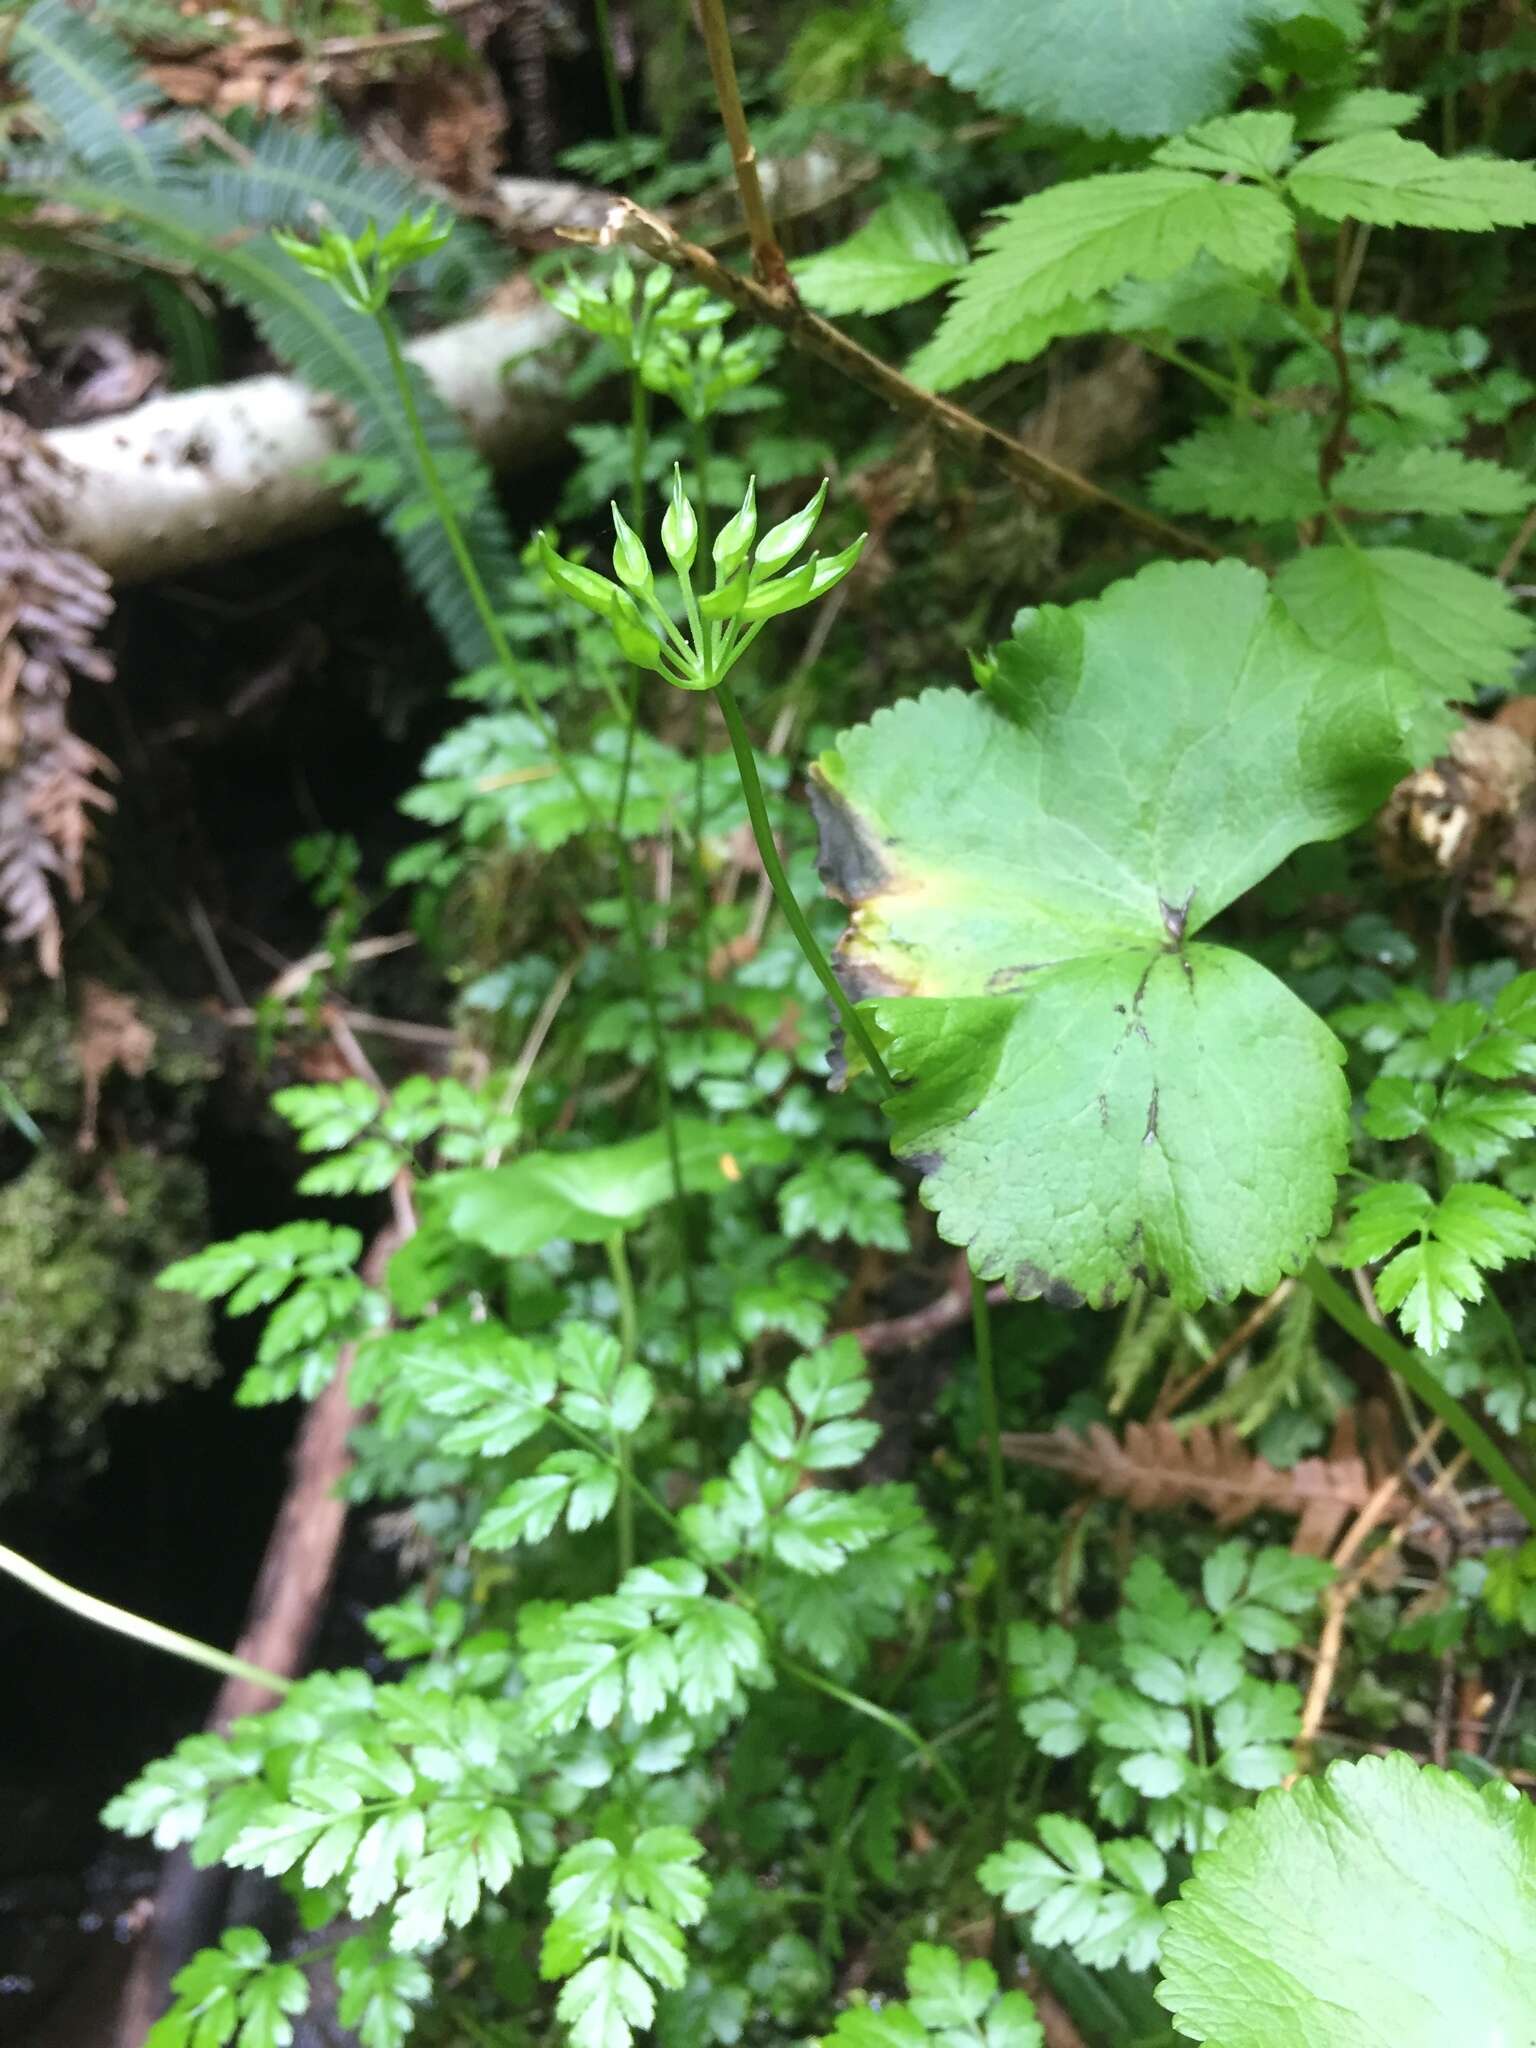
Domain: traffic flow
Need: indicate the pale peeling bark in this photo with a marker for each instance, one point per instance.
(197, 476)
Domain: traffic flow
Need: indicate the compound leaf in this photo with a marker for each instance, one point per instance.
(1429, 480)
(1380, 1906)
(1092, 1096)
(1443, 622)
(906, 250)
(1049, 256)
(1386, 179)
(1244, 469)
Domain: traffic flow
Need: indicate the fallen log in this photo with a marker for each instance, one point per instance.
(198, 476)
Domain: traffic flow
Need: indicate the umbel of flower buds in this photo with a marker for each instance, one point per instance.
(754, 581)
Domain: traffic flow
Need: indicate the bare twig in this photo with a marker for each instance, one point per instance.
(632, 225)
(295, 978)
(1341, 1594)
(401, 1189)
(363, 1021)
(286, 1606)
(909, 1332)
(208, 945)
(533, 1045)
(767, 257)
(1174, 1394)
(1517, 547)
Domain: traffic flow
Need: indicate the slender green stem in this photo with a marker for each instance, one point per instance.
(1452, 49)
(474, 583)
(700, 729)
(738, 1592)
(1226, 388)
(611, 84)
(1002, 1605)
(158, 1637)
(501, 647)
(794, 917)
(666, 1108)
(873, 1711)
(853, 1024)
(639, 448)
(629, 1333)
(1306, 304)
(1411, 1369)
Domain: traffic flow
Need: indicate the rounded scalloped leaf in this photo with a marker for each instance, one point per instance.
(1181, 1115)
(1094, 1098)
(1383, 1905)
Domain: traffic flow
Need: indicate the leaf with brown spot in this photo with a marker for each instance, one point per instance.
(1027, 870)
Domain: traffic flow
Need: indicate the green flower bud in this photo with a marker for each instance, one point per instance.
(831, 569)
(635, 640)
(631, 564)
(727, 599)
(786, 540)
(679, 528)
(783, 593)
(572, 580)
(657, 282)
(733, 543)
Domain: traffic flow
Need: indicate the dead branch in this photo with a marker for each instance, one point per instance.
(633, 226)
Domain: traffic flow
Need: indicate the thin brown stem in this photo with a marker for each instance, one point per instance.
(1517, 547)
(1333, 448)
(767, 257)
(1175, 1393)
(632, 225)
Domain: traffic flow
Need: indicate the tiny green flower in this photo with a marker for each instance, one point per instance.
(633, 637)
(679, 528)
(733, 543)
(785, 540)
(573, 581)
(631, 564)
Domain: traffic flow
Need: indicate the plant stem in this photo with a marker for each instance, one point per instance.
(738, 1592)
(1002, 1615)
(501, 647)
(474, 583)
(611, 84)
(153, 1633)
(629, 1331)
(1411, 1369)
(666, 1108)
(873, 1711)
(1451, 49)
(639, 443)
(633, 227)
(767, 257)
(794, 917)
(700, 727)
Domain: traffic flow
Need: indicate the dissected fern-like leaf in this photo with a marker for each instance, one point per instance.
(53, 604)
(292, 178)
(342, 353)
(86, 82)
(1158, 1465)
(202, 216)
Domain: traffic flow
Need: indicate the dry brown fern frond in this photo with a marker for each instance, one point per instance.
(53, 605)
(1158, 1465)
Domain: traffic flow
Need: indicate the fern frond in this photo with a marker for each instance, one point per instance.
(338, 352)
(1160, 1466)
(294, 177)
(86, 83)
(212, 220)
